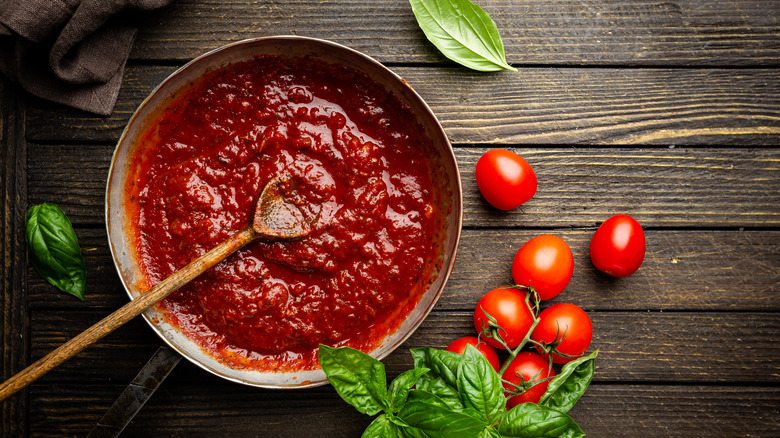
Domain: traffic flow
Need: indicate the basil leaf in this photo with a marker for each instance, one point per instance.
(382, 427)
(438, 387)
(400, 386)
(531, 420)
(442, 363)
(566, 388)
(357, 377)
(463, 32)
(416, 395)
(54, 249)
(431, 418)
(480, 387)
(427, 397)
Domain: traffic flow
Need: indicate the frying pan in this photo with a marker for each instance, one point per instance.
(443, 165)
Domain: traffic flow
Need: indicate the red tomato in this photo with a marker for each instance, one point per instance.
(505, 179)
(567, 324)
(544, 263)
(512, 314)
(618, 246)
(459, 346)
(527, 367)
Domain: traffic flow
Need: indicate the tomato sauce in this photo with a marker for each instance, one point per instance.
(359, 160)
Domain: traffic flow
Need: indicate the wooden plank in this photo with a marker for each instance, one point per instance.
(185, 410)
(543, 106)
(632, 32)
(13, 303)
(116, 358)
(696, 188)
(683, 411)
(73, 177)
(683, 270)
(682, 347)
(660, 188)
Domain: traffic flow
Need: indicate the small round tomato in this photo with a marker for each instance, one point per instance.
(568, 325)
(459, 346)
(527, 367)
(544, 263)
(618, 246)
(505, 179)
(511, 313)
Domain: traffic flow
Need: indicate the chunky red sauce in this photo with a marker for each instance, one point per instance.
(360, 161)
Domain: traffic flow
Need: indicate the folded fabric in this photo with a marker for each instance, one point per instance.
(69, 51)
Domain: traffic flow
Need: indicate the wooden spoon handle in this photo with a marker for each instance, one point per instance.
(125, 313)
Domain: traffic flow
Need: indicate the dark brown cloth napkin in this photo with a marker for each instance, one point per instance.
(70, 51)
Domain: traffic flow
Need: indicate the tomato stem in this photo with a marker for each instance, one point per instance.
(551, 348)
(534, 308)
(492, 329)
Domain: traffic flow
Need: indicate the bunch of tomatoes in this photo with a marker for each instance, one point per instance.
(509, 318)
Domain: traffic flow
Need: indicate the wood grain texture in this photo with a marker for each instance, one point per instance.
(669, 347)
(569, 32)
(689, 345)
(682, 271)
(670, 188)
(682, 411)
(13, 304)
(564, 106)
(179, 409)
(700, 188)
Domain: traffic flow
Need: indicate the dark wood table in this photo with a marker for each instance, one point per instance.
(667, 111)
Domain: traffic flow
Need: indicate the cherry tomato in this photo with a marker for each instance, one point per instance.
(544, 263)
(565, 323)
(618, 246)
(511, 313)
(459, 346)
(505, 179)
(527, 367)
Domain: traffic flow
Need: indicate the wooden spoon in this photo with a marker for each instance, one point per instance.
(274, 219)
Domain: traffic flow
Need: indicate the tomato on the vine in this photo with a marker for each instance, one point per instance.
(566, 325)
(459, 346)
(505, 179)
(511, 313)
(544, 263)
(618, 246)
(527, 367)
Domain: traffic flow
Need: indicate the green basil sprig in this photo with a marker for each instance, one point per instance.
(451, 395)
(463, 32)
(54, 249)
